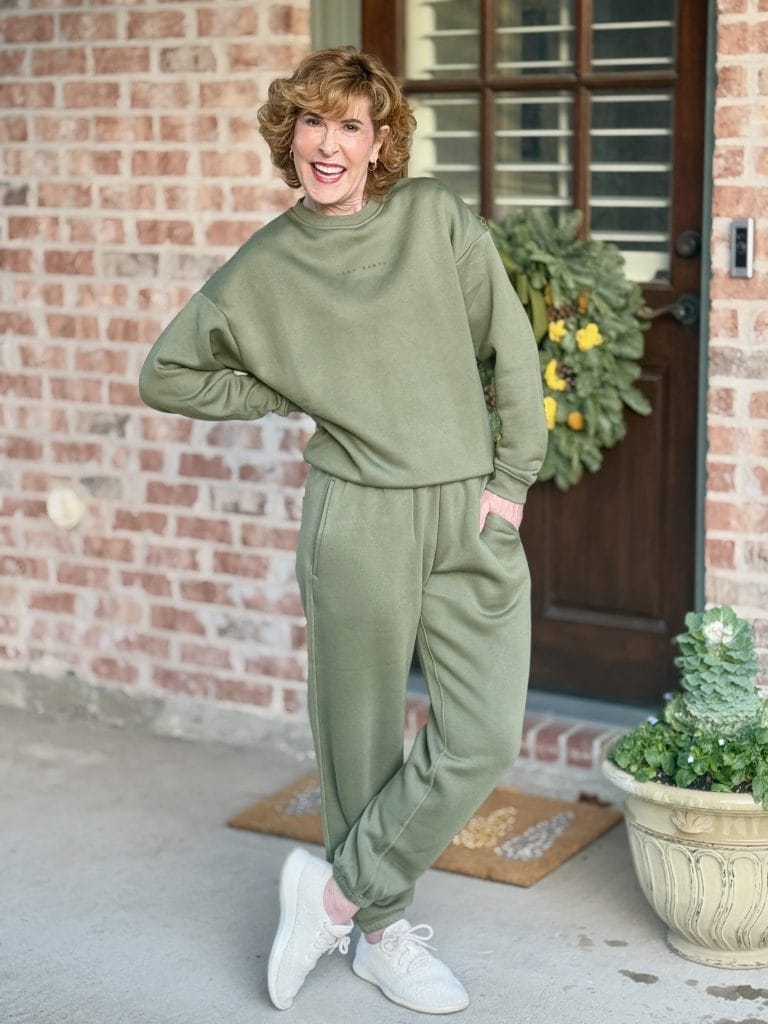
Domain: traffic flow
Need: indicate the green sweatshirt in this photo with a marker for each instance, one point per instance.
(371, 323)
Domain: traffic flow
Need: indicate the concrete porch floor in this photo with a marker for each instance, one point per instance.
(125, 899)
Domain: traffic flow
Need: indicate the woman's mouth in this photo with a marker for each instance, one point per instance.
(327, 174)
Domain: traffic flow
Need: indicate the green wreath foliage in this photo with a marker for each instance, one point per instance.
(584, 315)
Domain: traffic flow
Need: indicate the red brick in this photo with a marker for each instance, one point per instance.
(123, 129)
(299, 638)
(14, 95)
(721, 476)
(206, 592)
(70, 61)
(231, 163)
(141, 522)
(231, 232)
(151, 461)
(176, 620)
(582, 748)
(721, 401)
(242, 94)
(62, 325)
(13, 129)
(61, 129)
(49, 357)
(245, 129)
(42, 227)
(189, 128)
(238, 564)
(758, 405)
(92, 577)
(759, 475)
(21, 385)
(720, 554)
(256, 535)
(22, 448)
(550, 740)
(228, 21)
(175, 430)
(34, 28)
(153, 583)
(728, 162)
(159, 232)
(187, 59)
(159, 162)
(277, 56)
(84, 163)
(193, 684)
(235, 434)
(127, 197)
(17, 261)
(114, 671)
(206, 656)
(16, 323)
(91, 94)
(161, 95)
(124, 394)
(276, 667)
(218, 530)
(115, 60)
(31, 568)
(25, 162)
(79, 28)
(192, 464)
(244, 692)
(159, 493)
(61, 602)
(97, 230)
(206, 197)
(156, 24)
(52, 193)
(171, 557)
(69, 262)
(77, 390)
(76, 451)
(286, 19)
(115, 549)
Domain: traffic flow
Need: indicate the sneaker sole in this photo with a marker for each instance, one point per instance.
(289, 881)
(447, 1008)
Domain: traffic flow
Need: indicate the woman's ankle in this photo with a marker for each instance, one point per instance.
(374, 937)
(337, 906)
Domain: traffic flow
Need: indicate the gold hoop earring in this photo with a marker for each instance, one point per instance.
(373, 166)
(290, 153)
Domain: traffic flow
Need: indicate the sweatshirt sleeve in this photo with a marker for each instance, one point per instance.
(501, 329)
(195, 369)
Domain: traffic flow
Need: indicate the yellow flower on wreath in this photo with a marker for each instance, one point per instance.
(575, 420)
(550, 411)
(588, 337)
(557, 331)
(552, 378)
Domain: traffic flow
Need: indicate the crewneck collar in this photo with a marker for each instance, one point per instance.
(331, 222)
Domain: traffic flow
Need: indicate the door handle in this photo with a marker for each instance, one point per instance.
(685, 309)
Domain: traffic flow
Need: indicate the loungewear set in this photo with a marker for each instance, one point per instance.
(372, 323)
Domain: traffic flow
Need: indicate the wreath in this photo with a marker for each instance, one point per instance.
(584, 315)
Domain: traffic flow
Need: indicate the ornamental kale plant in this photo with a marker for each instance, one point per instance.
(714, 734)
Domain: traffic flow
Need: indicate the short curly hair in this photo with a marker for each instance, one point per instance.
(326, 82)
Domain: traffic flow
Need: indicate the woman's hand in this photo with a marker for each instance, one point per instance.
(509, 510)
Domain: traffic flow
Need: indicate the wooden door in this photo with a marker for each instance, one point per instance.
(599, 105)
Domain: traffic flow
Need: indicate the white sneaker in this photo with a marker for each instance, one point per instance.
(407, 973)
(305, 931)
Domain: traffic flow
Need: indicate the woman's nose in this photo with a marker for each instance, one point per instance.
(328, 143)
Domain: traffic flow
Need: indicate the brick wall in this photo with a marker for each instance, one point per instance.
(131, 168)
(737, 465)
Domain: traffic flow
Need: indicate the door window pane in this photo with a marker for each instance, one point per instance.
(533, 151)
(534, 36)
(447, 143)
(632, 36)
(443, 39)
(631, 177)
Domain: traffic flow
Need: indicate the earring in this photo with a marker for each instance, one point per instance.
(373, 166)
(290, 153)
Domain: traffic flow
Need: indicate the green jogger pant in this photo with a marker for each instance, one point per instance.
(382, 570)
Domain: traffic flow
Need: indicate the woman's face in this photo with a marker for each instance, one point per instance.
(331, 157)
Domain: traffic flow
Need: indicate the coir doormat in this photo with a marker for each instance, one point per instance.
(515, 837)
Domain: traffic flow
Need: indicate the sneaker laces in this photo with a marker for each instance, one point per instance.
(410, 947)
(327, 939)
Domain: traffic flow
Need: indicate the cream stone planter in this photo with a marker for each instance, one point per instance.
(702, 862)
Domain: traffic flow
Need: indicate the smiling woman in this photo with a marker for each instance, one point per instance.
(333, 157)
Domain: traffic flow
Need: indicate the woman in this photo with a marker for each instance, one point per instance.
(366, 305)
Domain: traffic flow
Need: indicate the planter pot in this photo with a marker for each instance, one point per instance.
(702, 862)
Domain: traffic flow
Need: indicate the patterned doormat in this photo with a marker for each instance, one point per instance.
(515, 837)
